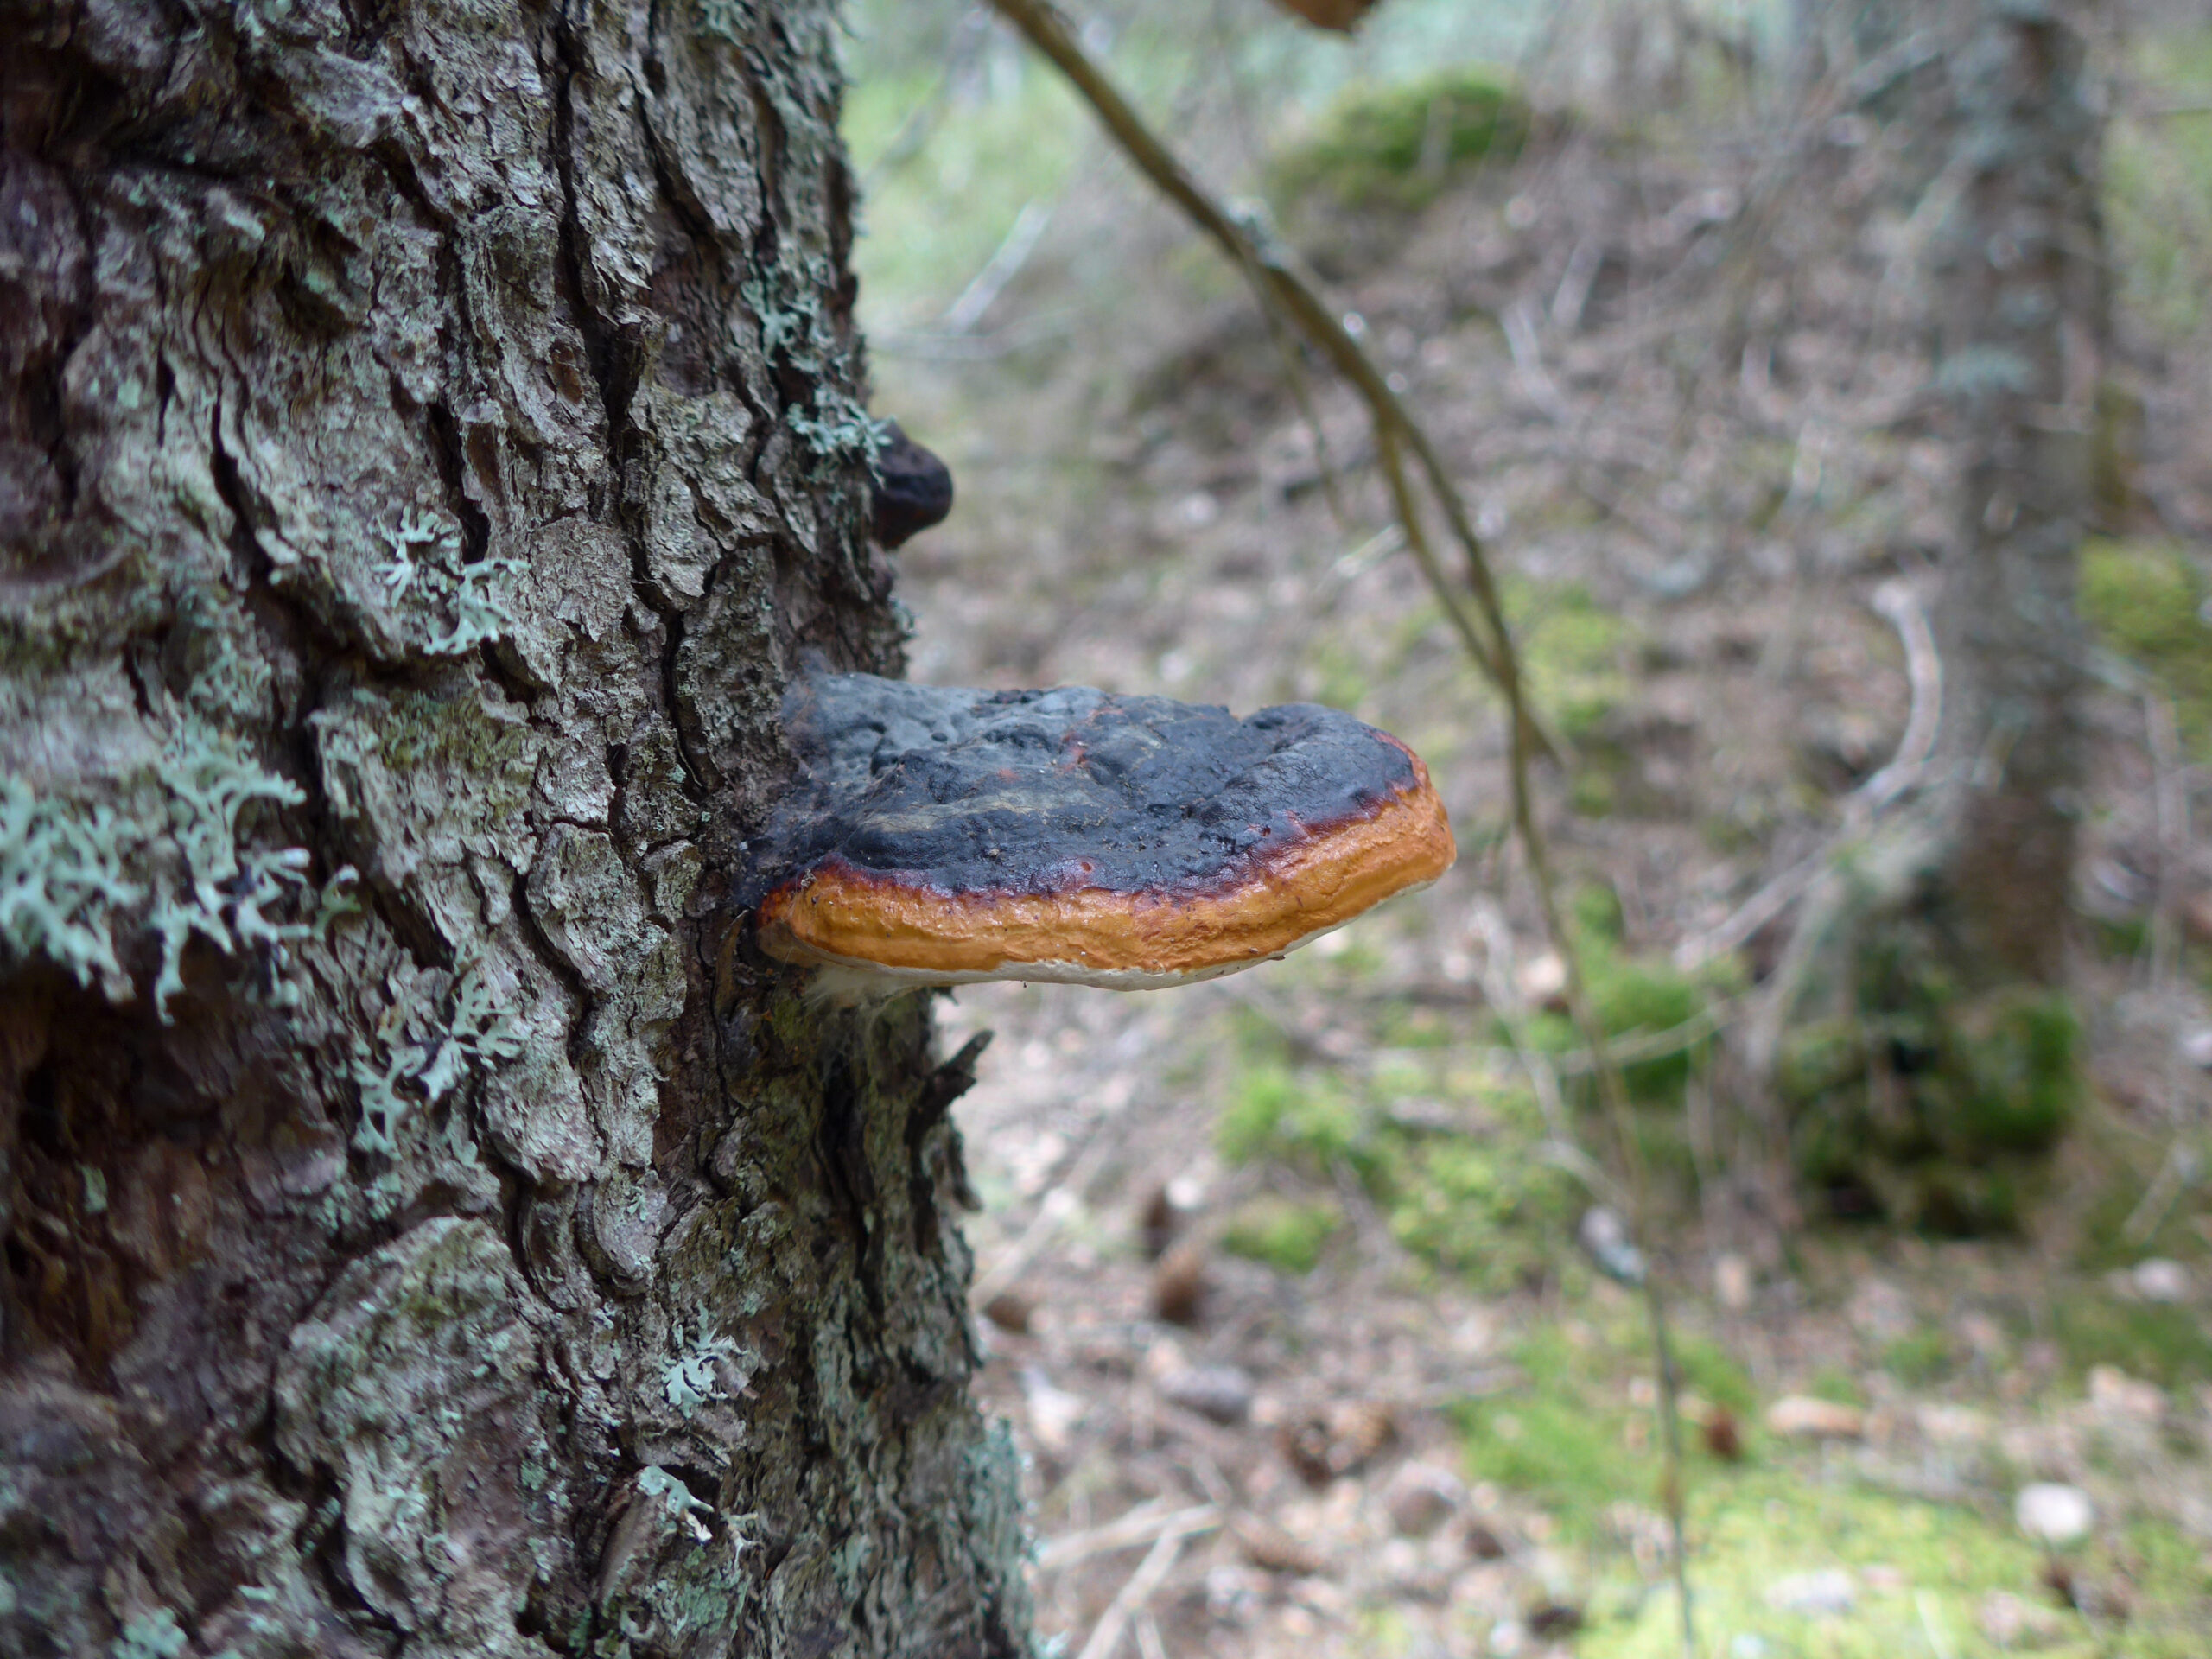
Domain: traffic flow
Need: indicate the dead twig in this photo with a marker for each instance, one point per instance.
(1282, 286)
(1145, 1524)
(1897, 602)
(1002, 267)
(1528, 363)
(1159, 1561)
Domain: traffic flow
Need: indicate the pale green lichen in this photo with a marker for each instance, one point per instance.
(61, 880)
(693, 1377)
(837, 427)
(150, 1636)
(660, 1484)
(426, 561)
(416, 1053)
(74, 872)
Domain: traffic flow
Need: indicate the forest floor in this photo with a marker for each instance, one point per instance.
(1279, 1275)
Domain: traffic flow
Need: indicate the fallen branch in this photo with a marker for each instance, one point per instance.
(1898, 604)
(1901, 606)
(1002, 267)
(1145, 1524)
(1159, 1561)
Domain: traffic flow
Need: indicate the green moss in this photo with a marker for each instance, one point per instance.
(2114, 1168)
(1303, 1117)
(2159, 183)
(1919, 1359)
(1489, 1207)
(2170, 1345)
(1413, 1024)
(2017, 1069)
(1399, 145)
(1562, 1441)
(1819, 1057)
(2150, 602)
(2120, 938)
(1927, 1103)
(1486, 1208)
(1833, 1382)
(1283, 1233)
(1593, 794)
(1595, 909)
(1634, 996)
(1551, 1452)
(1709, 1369)
(1932, 1565)
(1574, 652)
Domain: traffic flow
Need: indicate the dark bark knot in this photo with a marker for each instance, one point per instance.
(914, 488)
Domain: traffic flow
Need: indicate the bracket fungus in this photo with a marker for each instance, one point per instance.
(942, 837)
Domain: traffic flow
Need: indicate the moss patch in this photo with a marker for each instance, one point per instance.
(1925, 1103)
(2169, 1345)
(1915, 1567)
(1284, 1233)
(2149, 603)
(1636, 997)
(1562, 1441)
(2159, 184)
(1400, 145)
(1484, 1203)
(1488, 1208)
(1302, 1117)
(1568, 1443)
(1575, 652)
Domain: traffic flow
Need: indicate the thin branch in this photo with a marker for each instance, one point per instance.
(1159, 1561)
(1268, 265)
(1147, 1524)
(1924, 666)
(1281, 285)
(1002, 267)
(1896, 601)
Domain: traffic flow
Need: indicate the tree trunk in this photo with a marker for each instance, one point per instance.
(1934, 1052)
(2024, 339)
(430, 432)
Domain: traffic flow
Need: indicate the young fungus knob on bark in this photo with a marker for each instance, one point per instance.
(912, 488)
(944, 837)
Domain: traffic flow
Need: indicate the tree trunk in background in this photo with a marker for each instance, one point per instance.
(1933, 1054)
(2023, 333)
(428, 434)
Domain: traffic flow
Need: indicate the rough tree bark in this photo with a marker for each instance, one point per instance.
(431, 431)
(1946, 941)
